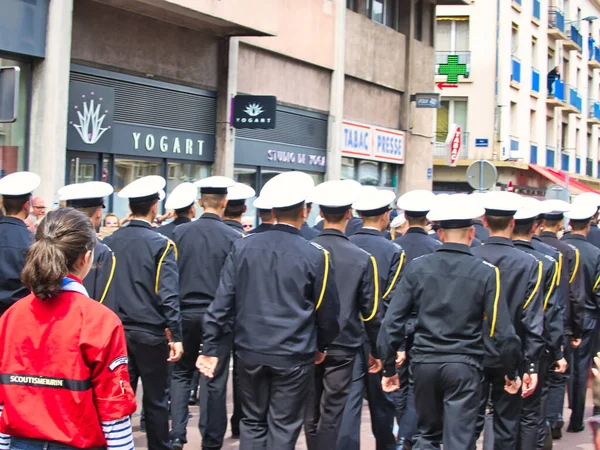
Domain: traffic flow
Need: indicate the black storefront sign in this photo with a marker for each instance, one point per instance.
(92, 128)
(281, 156)
(254, 111)
(23, 26)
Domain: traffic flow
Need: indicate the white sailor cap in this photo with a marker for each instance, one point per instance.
(354, 187)
(144, 189)
(398, 221)
(456, 211)
(554, 209)
(588, 197)
(19, 184)
(85, 195)
(214, 185)
(336, 196)
(287, 190)
(261, 203)
(239, 193)
(530, 210)
(374, 202)
(182, 197)
(581, 212)
(416, 203)
(501, 203)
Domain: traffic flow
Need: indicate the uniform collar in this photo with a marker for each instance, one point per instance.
(416, 230)
(454, 247)
(535, 237)
(549, 234)
(285, 227)
(521, 243)
(478, 222)
(370, 231)
(13, 221)
(496, 240)
(211, 216)
(234, 224)
(181, 220)
(140, 223)
(574, 236)
(333, 232)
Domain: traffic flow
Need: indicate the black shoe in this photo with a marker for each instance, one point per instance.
(557, 430)
(235, 434)
(177, 444)
(548, 439)
(143, 425)
(193, 400)
(575, 429)
(403, 445)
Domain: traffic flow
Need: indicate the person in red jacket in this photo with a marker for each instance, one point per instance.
(63, 356)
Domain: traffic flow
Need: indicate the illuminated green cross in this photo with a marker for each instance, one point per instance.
(453, 69)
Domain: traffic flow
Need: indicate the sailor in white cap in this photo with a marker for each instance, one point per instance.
(415, 242)
(182, 200)
(398, 226)
(533, 414)
(15, 238)
(458, 300)
(145, 288)
(89, 198)
(572, 297)
(521, 278)
(236, 207)
(265, 213)
(355, 223)
(277, 291)
(580, 216)
(593, 199)
(358, 285)
(203, 247)
(373, 207)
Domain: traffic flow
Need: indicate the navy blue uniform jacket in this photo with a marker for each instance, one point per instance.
(15, 240)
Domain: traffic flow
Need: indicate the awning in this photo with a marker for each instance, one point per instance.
(576, 187)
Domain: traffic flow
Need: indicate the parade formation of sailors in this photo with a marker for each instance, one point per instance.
(482, 307)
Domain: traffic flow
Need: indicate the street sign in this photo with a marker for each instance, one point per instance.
(429, 173)
(510, 187)
(482, 175)
(480, 142)
(453, 145)
(9, 94)
(426, 100)
(557, 192)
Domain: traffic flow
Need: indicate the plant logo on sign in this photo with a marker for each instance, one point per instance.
(91, 117)
(254, 109)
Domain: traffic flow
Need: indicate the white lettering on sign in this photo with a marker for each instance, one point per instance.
(372, 142)
(453, 145)
(282, 156)
(166, 144)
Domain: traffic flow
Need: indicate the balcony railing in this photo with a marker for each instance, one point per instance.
(537, 9)
(464, 57)
(578, 165)
(558, 90)
(518, 2)
(594, 110)
(550, 156)
(514, 146)
(556, 19)
(574, 98)
(533, 151)
(596, 54)
(575, 35)
(535, 80)
(441, 152)
(516, 69)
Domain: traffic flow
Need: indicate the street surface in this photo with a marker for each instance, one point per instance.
(570, 441)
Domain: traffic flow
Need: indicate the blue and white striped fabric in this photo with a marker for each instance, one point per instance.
(69, 284)
(4, 438)
(118, 434)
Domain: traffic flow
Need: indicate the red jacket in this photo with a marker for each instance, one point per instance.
(63, 370)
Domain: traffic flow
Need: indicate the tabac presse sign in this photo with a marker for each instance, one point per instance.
(254, 111)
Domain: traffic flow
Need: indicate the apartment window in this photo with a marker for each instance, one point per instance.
(384, 12)
(515, 40)
(534, 53)
(564, 135)
(532, 126)
(514, 119)
(419, 20)
(351, 4)
(451, 112)
(452, 34)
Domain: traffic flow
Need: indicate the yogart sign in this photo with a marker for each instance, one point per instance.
(453, 145)
(372, 142)
(167, 144)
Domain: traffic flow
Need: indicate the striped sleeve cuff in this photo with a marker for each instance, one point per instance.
(4, 438)
(118, 434)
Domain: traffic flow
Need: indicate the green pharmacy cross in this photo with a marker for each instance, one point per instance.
(453, 69)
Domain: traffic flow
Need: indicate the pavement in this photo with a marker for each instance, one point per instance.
(570, 441)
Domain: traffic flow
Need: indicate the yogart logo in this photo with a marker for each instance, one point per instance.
(91, 118)
(253, 110)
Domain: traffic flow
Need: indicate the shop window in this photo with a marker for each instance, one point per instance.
(126, 171)
(13, 135)
(369, 173)
(179, 172)
(348, 172)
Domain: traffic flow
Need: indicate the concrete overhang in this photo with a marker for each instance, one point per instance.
(218, 18)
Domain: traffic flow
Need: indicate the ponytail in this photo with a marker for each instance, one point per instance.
(61, 238)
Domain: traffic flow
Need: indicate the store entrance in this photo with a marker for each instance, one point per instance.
(83, 168)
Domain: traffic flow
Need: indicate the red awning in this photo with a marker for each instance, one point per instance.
(559, 177)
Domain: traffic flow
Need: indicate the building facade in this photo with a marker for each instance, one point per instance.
(539, 129)
(115, 90)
